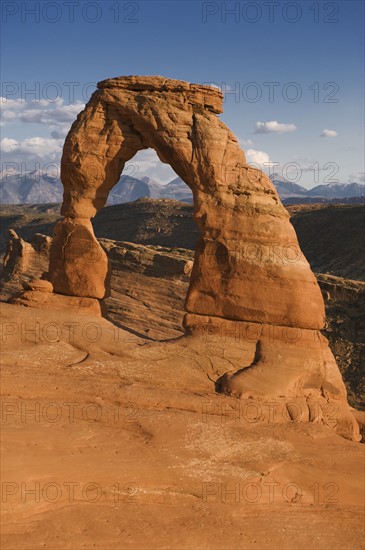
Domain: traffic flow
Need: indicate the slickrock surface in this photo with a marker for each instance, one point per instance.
(118, 430)
(149, 285)
(115, 441)
(41, 298)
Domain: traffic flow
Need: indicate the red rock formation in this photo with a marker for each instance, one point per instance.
(25, 257)
(248, 265)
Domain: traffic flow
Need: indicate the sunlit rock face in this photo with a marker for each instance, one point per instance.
(248, 266)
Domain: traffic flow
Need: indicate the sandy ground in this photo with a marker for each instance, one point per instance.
(111, 440)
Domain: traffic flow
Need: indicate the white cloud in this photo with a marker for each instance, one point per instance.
(258, 158)
(357, 177)
(328, 133)
(273, 127)
(147, 163)
(56, 115)
(8, 145)
(35, 147)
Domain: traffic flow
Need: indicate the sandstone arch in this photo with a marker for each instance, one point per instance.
(248, 266)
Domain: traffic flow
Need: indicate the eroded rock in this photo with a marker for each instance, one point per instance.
(246, 239)
(78, 264)
(248, 265)
(41, 285)
(39, 299)
(25, 257)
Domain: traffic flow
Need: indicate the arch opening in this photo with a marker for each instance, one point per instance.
(235, 205)
(241, 272)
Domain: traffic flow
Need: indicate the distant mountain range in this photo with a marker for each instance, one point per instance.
(29, 188)
(330, 191)
(35, 188)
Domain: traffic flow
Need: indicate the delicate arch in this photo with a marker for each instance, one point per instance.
(248, 265)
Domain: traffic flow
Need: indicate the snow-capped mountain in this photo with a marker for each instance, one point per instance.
(286, 188)
(176, 189)
(30, 187)
(337, 190)
(33, 187)
(128, 189)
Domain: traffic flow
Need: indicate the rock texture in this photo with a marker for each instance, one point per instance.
(246, 238)
(22, 256)
(329, 236)
(154, 261)
(78, 264)
(124, 444)
(149, 285)
(41, 298)
(291, 369)
(41, 285)
(248, 266)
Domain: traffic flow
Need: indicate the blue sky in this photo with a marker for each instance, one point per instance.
(309, 55)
